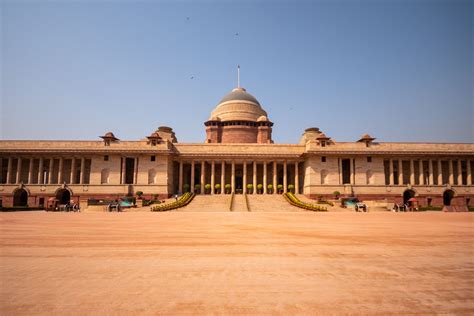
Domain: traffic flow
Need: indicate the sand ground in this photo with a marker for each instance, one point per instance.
(236, 263)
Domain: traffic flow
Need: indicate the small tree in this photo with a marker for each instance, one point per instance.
(186, 187)
(336, 194)
(227, 188)
(280, 188)
(218, 188)
(197, 187)
(250, 188)
(291, 188)
(139, 194)
(259, 187)
(270, 188)
(155, 196)
(208, 188)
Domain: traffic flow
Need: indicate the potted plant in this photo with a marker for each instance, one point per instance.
(227, 188)
(291, 188)
(270, 188)
(280, 188)
(250, 188)
(218, 188)
(208, 188)
(186, 187)
(139, 194)
(197, 188)
(259, 188)
(336, 194)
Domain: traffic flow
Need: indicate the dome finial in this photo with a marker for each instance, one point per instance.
(238, 76)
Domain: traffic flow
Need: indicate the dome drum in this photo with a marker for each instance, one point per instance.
(238, 118)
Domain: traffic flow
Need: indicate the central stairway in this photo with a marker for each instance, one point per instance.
(270, 203)
(208, 203)
(239, 204)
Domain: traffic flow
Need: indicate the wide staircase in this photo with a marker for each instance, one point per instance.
(270, 203)
(208, 203)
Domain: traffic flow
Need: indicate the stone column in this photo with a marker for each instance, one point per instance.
(9, 170)
(18, 170)
(285, 178)
(451, 172)
(135, 171)
(352, 162)
(275, 180)
(421, 176)
(400, 172)
(60, 173)
(223, 177)
(264, 177)
(391, 175)
(73, 169)
(51, 167)
(459, 172)
(245, 176)
(440, 172)
(124, 165)
(41, 171)
(339, 162)
(232, 177)
(412, 172)
(203, 176)
(469, 175)
(254, 177)
(192, 176)
(297, 179)
(431, 173)
(213, 176)
(30, 171)
(180, 181)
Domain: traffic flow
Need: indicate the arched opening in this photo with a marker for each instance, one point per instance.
(20, 198)
(447, 197)
(407, 195)
(63, 196)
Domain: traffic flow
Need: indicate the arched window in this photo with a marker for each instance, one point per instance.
(104, 176)
(324, 176)
(151, 176)
(370, 177)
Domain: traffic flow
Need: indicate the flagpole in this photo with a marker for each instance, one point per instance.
(238, 76)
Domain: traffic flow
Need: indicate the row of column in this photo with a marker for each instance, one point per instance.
(41, 172)
(232, 182)
(431, 176)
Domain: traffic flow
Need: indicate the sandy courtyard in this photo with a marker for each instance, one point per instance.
(239, 263)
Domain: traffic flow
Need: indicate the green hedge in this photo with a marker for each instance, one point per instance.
(184, 200)
(293, 200)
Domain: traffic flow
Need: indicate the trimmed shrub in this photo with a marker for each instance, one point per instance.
(293, 200)
(139, 193)
(291, 188)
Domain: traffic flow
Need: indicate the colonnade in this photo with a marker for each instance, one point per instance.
(44, 175)
(245, 165)
(430, 177)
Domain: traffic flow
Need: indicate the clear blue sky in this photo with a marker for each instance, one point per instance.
(399, 70)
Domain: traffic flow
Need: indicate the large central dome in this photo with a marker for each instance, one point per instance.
(238, 105)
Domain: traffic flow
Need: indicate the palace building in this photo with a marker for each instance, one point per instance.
(238, 151)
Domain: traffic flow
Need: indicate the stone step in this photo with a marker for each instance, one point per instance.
(208, 203)
(239, 204)
(270, 203)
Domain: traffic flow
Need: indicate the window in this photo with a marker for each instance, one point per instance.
(323, 143)
(153, 158)
(106, 158)
(370, 178)
(323, 159)
(369, 159)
